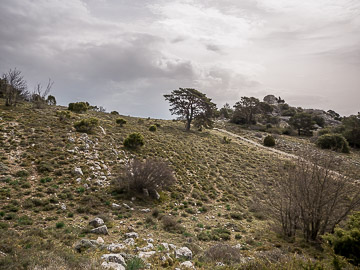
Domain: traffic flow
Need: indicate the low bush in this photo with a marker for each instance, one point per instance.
(78, 107)
(63, 115)
(223, 253)
(121, 122)
(135, 263)
(152, 128)
(269, 141)
(171, 225)
(86, 125)
(226, 140)
(134, 140)
(146, 177)
(346, 241)
(335, 142)
(114, 113)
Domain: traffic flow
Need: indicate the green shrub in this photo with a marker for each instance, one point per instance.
(335, 142)
(78, 107)
(134, 140)
(226, 140)
(114, 113)
(121, 121)
(346, 241)
(60, 225)
(152, 128)
(135, 264)
(269, 141)
(86, 125)
(63, 115)
(324, 131)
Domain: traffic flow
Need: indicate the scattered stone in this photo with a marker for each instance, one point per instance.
(78, 171)
(150, 240)
(146, 254)
(129, 242)
(183, 252)
(83, 244)
(78, 180)
(166, 246)
(172, 246)
(116, 206)
(2, 254)
(100, 230)
(116, 258)
(102, 130)
(63, 206)
(131, 235)
(126, 206)
(116, 248)
(157, 195)
(147, 248)
(112, 266)
(147, 210)
(220, 264)
(96, 222)
(187, 264)
(99, 240)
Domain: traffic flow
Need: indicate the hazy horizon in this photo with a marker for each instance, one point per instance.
(124, 55)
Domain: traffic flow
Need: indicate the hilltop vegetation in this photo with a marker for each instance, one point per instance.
(78, 184)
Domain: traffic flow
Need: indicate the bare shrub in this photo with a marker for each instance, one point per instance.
(171, 225)
(312, 197)
(147, 177)
(223, 253)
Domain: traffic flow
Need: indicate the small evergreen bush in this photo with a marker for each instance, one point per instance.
(346, 241)
(114, 113)
(336, 142)
(121, 122)
(152, 128)
(63, 115)
(134, 140)
(226, 140)
(86, 125)
(269, 141)
(78, 107)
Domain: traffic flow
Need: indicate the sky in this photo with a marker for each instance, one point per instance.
(125, 55)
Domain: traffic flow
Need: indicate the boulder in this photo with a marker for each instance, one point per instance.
(100, 230)
(116, 248)
(131, 235)
(115, 258)
(78, 171)
(187, 264)
(184, 253)
(146, 254)
(96, 222)
(113, 266)
(83, 244)
(129, 242)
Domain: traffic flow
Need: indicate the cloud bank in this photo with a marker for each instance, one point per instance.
(125, 56)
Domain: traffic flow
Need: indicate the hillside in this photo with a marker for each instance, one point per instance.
(47, 201)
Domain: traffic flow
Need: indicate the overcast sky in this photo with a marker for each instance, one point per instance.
(125, 54)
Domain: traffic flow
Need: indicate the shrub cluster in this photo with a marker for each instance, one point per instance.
(269, 141)
(226, 140)
(134, 140)
(336, 142)
(152, 128)
(86, 125)
(147, 177)
(78, 107)
(63, 115)
(121, 121)
(346, 241)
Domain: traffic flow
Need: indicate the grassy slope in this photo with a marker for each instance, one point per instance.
(214, 188)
